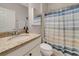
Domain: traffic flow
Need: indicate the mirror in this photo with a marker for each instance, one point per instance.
(7, 20)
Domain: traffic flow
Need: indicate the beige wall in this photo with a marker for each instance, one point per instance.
(36, 29)
(21, 12)
(38, 8)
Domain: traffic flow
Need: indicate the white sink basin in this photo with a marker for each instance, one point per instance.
(18, 37)
(25, 34)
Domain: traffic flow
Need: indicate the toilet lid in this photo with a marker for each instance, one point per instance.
(45, 46)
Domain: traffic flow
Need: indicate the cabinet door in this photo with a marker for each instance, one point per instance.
(34, 52)
(22, 49)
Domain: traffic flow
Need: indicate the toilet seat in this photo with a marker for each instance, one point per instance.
(45, 46)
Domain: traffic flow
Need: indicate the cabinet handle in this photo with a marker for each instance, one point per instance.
(30, 54)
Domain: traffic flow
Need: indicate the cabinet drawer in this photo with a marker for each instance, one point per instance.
(20, 51)
(34, 52)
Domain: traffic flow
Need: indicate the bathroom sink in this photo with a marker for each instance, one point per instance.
(19, 37)
(25, 34)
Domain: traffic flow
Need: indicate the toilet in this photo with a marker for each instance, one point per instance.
(46, 49)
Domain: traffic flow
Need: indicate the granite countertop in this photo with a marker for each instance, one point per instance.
(7, 43)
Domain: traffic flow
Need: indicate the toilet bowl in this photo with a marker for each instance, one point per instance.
(46, 49)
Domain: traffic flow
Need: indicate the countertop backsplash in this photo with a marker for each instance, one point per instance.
(6, 34)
